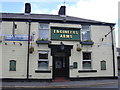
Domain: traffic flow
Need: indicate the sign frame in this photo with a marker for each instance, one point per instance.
(72, 34)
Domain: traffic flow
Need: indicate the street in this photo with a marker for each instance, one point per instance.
(112, 83)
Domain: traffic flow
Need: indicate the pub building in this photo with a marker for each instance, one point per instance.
(47, 47)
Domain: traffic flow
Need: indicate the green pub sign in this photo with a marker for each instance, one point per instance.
(58, 33)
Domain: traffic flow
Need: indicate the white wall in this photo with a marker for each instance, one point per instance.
(101, 50)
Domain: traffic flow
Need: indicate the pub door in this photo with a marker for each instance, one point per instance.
(60, 67)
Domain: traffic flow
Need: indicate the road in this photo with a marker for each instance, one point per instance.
(112, 84)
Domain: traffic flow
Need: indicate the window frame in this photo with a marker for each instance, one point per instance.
(10, 61)
(87, 61)
(89, 30)
(43, 60)
(39, 28)
(101, 64)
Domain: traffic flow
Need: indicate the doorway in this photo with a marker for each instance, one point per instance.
(60, 60)
(60, 67)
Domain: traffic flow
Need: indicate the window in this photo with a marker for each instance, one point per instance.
(75, 65)
(43, 60)
(12, 65)
(87, 60)
(85, 32)
(44, 31)
(103, 65)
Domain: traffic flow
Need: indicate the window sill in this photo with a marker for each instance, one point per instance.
(42, 42)
(42, 71)
(85, 71)
(86, 43)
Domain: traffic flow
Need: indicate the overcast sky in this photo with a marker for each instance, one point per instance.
(100, 10)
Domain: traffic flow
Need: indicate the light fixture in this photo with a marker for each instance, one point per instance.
(20, 44)
(5, 43)
(62, 46)
(14, 43)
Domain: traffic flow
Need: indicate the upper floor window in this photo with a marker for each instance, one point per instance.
(44, 31)
(86, 32)
(12, 65)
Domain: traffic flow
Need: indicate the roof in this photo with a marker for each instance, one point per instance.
(49, 17)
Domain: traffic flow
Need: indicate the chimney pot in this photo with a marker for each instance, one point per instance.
(27, 8)
(62, 10)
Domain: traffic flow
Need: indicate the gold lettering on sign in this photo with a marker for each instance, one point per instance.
(57, 31)
(54, 31)
(65, 36)
(73, 32)
(61, 35)
(65, 31)
(76, 32)
(70, 36)
(61, 31)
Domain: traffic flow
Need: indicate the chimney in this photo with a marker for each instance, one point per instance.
(27, 8)
(62, 10)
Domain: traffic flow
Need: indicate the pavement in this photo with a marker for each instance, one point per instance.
(65, 84)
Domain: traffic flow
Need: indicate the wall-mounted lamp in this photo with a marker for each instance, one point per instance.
(33, 33)
(14, 43)
(62, 46)
(78, 47)
(102, 39)
(20, 44)
(5, 43)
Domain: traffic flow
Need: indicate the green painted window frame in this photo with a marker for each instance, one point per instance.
(103, 65)
(12, 65)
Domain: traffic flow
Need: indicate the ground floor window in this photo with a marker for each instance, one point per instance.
(103, 65)
(43, 61)
(87, 62)
(12, 65)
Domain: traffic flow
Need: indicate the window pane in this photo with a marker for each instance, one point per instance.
(86, 64)
(42, 64)
(75, 65)
(88, 35)
(86, 32)
(44, 34)
(84, 36)
(12, 65)
(44, 26)
(86, 56)
(85, 27)
(43, 56)
(58, 64)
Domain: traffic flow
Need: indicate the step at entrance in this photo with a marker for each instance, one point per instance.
(60, 79)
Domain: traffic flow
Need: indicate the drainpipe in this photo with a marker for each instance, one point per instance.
(113, 51)
(28, 54)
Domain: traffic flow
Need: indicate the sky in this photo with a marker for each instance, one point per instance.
(100, 10)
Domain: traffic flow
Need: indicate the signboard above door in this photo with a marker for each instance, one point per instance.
(58, 33)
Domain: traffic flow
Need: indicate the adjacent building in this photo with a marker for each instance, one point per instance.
(44, 46)
(118, 57)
